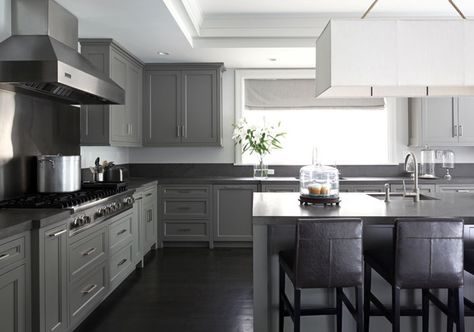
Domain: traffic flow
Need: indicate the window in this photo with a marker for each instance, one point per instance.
(342, 134)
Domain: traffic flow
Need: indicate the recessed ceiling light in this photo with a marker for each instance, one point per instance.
(163, 53)
(272, 59)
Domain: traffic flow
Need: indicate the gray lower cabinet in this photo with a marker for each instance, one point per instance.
(185, 213)
(182, 105)
(146, 202)
(115, 125)
(15, 305)
(52, 279)
(280, 188)
(454, 188)
(232, 218)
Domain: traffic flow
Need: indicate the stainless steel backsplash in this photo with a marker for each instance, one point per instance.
(30, 127)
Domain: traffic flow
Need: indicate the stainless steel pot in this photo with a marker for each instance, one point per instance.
(114, 174)
(58, 174)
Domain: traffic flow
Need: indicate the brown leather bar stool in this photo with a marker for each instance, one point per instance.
(427, 253)
(327, 254)
(469, 304)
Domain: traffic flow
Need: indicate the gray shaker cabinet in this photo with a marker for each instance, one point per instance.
(50, 278)
(15, 303)
(115, 125)
(233, 212)
(12, 300)
(442, 121)
(182, 105)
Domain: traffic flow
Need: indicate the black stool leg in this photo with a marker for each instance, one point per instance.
(338, 310)
(452, 310)
(367, 285)
(359, 309)
(297, 310)
(395, 309)
(459, 298)
(425, 308)
(281, 307)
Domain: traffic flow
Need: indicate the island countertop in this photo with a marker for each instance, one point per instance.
(284, 208)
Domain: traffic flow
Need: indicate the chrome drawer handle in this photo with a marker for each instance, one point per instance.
(58, 233)
(148, 195)
(89, 252)
(4, 256)
(122, 231)
(184, 230)
(89, 290)
(122, 262)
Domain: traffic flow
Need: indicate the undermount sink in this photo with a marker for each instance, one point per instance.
(399, 197)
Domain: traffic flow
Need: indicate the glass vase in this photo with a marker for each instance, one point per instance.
(260, 169)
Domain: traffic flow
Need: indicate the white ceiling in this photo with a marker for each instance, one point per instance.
(415, 7)
(240, 33)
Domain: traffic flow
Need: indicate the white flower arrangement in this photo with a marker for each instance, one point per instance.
(258, 140)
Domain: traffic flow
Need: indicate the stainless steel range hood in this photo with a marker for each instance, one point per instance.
(41, 58)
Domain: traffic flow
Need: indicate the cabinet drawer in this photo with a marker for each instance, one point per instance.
(85, 253)
(86, 293)
(185, 191)
(120, 232)
(120, 262)
(11, 252)
(174, 208)
(186, 230)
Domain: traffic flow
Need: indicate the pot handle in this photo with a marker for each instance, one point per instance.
(47, 160)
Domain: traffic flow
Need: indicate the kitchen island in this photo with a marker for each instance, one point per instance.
(274, 219)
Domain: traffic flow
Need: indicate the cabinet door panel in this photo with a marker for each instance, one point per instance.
(466, 120)
(118, 113)
(95, 118)
(134, 103)
(55, 279)
(13, 304)
(200, 109)
(233, 212)
(161, 116)
(438, 120)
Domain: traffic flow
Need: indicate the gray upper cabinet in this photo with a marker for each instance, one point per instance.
(442, 121)
(115, 125)
(182, 105)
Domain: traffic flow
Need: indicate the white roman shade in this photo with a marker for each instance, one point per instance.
(261, 94)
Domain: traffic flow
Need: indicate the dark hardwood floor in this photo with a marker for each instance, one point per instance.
(182, 290)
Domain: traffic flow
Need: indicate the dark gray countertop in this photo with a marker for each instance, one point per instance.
(278, 208)
(15, 221)
(136, 182)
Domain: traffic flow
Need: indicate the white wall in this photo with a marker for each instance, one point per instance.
(117, 155)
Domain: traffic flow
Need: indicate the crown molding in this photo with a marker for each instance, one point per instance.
(180, 14)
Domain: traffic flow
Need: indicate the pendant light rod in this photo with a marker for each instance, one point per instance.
(450, 1)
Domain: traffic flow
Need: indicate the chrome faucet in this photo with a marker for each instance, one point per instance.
(416, 193)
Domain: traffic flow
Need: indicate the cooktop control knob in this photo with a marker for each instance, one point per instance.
(87, 219)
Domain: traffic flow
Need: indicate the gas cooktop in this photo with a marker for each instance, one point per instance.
(88, 193)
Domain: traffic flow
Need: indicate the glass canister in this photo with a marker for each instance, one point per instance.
(319, 181)
(428, 161)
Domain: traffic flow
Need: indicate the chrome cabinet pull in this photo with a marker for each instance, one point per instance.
(122, 262)
(455, 130)
(58, 233)
(460, 131)
(4, 256)
(184, 132)
(148, 195)
(121, 232)
(150, 215)
(89, 252)
(178, 131)
(89, 290)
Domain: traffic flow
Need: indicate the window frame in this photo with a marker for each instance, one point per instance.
(392, 104)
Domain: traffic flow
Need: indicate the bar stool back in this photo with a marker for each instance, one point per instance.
(327, 254)
(427, 253)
